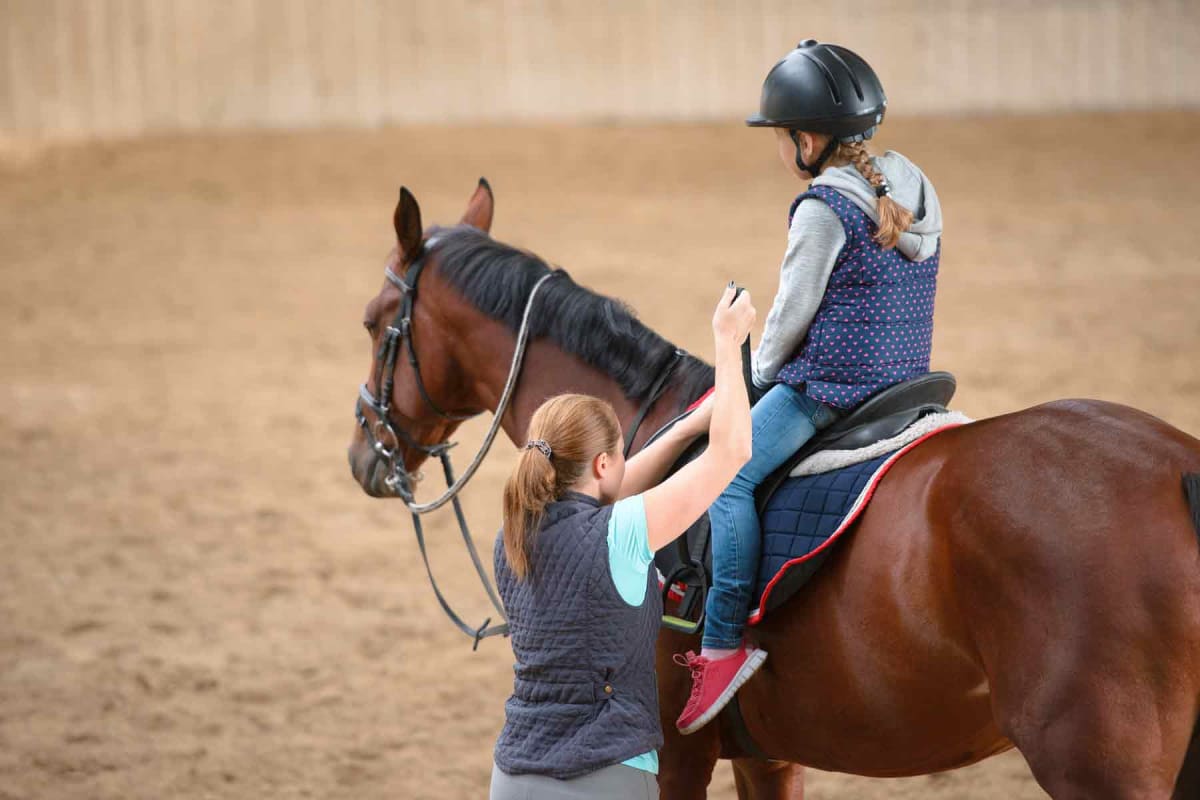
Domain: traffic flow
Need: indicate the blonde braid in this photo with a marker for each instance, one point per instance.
(894, 218)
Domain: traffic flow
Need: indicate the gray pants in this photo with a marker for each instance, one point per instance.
(617, 781)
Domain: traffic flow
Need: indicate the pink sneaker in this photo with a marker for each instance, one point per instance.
(714, 683)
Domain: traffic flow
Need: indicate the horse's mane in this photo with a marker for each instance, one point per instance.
(601, 331)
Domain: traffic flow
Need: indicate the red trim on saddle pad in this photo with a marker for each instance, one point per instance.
(699, 400)
(861, 504)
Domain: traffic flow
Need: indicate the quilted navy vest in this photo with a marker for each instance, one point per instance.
(874, 327)
(585, 694)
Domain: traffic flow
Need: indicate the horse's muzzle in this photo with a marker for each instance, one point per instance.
(370, 471)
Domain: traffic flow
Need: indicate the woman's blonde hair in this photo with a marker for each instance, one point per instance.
(565, 434)
(894, 218)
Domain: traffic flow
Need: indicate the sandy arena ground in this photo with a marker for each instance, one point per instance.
(195, 598)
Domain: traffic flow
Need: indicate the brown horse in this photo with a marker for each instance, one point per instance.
(1031, 580)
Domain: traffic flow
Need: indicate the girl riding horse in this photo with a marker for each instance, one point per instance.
(853, 315)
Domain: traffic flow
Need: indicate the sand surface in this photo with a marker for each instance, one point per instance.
(195, 598)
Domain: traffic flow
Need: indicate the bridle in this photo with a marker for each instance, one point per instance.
(385, 437)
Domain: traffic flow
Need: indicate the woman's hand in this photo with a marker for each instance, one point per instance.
(733, 319)
(648, 467)
(696, 423)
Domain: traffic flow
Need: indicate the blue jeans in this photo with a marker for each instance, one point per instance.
(782, 421)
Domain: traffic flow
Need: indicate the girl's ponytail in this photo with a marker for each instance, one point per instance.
(530, 488)
(894, 218)
(565, 433)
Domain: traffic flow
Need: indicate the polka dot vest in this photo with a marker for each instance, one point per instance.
(874, 327)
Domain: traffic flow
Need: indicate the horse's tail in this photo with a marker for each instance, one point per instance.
(1191, 487)
(1188, 783)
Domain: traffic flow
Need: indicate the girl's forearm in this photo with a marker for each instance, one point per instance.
(679, 501)
(729, 431)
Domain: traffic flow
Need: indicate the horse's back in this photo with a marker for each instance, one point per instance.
(1048, 515)
(1072, 490)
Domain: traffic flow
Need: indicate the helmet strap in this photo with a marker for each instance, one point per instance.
(815, 168)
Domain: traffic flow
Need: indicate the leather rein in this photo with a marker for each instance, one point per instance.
(386, 438)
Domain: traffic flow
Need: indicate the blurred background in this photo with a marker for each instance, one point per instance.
(196, 600)
(129, 67)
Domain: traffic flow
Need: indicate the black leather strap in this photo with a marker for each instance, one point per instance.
(741, 734)
(486, 629)
(697, 593)
(655, 392)
(748, 371)
(448, 471)
(815, 168)
(407, 302)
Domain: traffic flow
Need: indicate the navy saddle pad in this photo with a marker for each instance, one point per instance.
(801, 522)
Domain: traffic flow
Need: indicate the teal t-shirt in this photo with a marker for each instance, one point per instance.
(629, 559)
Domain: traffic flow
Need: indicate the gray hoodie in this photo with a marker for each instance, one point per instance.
(816, 239)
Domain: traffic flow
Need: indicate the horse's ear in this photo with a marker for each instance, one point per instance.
(407, 221)
(480, 207)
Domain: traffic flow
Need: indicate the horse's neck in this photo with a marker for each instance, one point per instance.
(547, 371)
(484, 350)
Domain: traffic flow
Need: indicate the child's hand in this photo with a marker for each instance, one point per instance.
(732, 322)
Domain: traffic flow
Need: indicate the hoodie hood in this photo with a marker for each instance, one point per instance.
(910, 188)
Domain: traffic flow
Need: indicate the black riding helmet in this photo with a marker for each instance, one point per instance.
(821, 88)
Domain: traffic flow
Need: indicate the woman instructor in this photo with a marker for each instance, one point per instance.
(573, 568)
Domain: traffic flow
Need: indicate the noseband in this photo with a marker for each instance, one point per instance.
(385, 437)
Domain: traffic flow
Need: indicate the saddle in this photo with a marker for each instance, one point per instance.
(686, 563)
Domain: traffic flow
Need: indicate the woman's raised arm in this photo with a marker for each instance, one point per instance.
(674, 505)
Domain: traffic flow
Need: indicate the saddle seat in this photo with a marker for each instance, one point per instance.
(688, 560)
(882, 416)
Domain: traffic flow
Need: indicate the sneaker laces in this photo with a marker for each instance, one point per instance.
(696, 664)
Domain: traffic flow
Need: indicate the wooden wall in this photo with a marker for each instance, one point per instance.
(71, 68)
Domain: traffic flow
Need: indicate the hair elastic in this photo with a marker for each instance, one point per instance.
(540, 444)
(883, 189)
